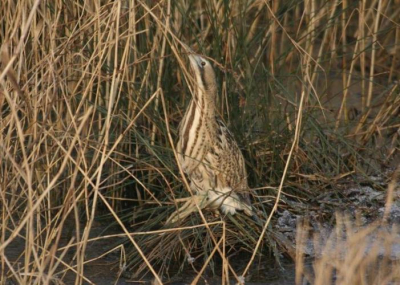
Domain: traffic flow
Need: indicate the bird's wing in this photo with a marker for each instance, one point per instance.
(228, 160)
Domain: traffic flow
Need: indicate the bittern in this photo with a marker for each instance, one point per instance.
(207, 151)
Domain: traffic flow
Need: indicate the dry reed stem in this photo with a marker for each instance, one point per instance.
(373, 53)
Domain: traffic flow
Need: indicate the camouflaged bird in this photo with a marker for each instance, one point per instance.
(207, 151)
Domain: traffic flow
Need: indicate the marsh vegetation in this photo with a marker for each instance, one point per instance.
(91, 95)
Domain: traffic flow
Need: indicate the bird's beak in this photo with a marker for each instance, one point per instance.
(195, 59)
(187, 48)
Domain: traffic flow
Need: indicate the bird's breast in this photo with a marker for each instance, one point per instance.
(193, 137)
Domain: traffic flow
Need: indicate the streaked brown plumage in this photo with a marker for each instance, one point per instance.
(207, 151)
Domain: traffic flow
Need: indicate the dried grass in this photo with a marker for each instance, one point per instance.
(91, 94)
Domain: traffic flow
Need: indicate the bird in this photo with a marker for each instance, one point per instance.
(207, 151)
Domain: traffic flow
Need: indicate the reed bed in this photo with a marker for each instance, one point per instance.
(91, 95)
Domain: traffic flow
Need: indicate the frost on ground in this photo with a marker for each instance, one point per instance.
(363, 214)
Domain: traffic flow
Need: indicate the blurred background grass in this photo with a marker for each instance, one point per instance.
(84, 131)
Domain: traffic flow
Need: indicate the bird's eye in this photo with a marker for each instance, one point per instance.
(203, 63)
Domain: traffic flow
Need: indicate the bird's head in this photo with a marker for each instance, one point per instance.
(202, 70)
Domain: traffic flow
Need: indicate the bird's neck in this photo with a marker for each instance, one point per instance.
(206, 102)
